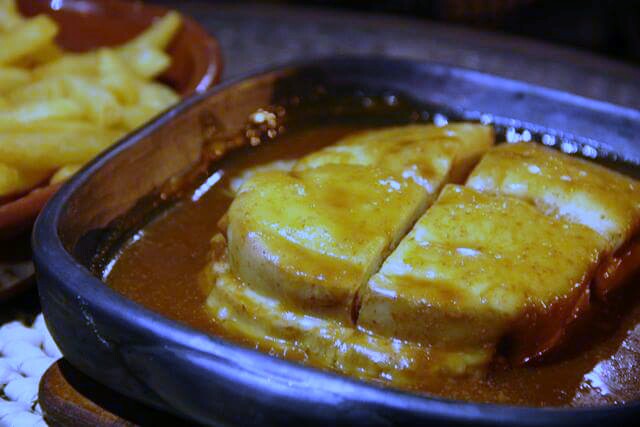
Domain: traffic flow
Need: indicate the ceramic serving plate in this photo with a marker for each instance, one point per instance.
(152, 359)
(88, 24)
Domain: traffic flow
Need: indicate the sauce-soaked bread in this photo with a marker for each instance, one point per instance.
(281, 329)
(311, 238)
(427, 154)
(566, 186)
(575, 190)
(480, 268)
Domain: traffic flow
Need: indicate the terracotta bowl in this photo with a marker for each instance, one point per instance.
(87, 24)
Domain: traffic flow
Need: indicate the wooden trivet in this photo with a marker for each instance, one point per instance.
(69, 398)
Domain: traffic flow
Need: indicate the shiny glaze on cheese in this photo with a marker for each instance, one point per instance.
(576, 190)
(283, 329)
(474, 268)
(313, 237)
(571, 188)
(301, 243)
(428, 155)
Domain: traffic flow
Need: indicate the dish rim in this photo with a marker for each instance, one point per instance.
(52, 259)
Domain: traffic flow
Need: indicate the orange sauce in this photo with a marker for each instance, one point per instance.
(159, 268)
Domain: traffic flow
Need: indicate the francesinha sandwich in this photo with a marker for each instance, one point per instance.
(418, 253)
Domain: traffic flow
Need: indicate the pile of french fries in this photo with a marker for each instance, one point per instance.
(59, 109)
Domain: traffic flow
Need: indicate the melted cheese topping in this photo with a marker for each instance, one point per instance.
(565, 186)
(472, 266)
(507, 259)
(426, 154)
(282, 330)
(313, 237)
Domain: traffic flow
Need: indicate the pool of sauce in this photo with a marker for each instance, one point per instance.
(160, 264)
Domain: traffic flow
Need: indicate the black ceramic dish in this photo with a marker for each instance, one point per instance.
(152, 359)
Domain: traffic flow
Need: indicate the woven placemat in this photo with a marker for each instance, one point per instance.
(25, 354)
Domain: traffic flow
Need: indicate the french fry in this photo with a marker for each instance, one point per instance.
(116, 76)
(157, 97)
(135, 115)
(147, 62)
(26, 37)
(159, 34)
(39, 111)
(9, 16)
(154, 98)
(45, 89)
(12, 77)
(100, 105)
(47, 53)
(64, 173)
(50, 151)
(13, 180)
(84, 64)
(58, 109)
(54, 126)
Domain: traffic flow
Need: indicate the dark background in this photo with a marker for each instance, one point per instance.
(610, 28)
